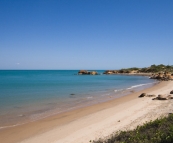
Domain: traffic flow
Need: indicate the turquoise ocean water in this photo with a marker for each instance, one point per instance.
(29, 95)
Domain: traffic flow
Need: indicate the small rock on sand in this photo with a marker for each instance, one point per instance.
(143, 94)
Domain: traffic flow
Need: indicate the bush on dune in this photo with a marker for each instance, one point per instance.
(158, 131)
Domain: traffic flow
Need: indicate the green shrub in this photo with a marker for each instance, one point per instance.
(158, 131)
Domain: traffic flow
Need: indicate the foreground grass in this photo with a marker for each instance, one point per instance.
(158, 131)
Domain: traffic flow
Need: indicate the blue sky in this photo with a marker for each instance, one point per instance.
(85, 34)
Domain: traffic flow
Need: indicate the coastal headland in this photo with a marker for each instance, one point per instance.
(93, 122)
(159, 72)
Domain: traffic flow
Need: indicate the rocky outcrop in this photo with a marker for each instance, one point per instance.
(122, 71)
(93, 73)
(146, 95)
(163, 97)
(143, 95)
(159, 97)
(110, 72)
(162, 76)
(134, 71)
(85, 72)
(159, 72)
(171, 92)
(151, 95)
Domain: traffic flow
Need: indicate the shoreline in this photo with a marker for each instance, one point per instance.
(63, 124)
(43, 109)
(130, 74)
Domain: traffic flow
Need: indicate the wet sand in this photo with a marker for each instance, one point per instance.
(92, 122)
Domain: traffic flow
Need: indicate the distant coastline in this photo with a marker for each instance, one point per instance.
(159, 72)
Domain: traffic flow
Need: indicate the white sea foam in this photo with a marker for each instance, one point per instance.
(134, 86)
(140, 85)
(10, 126)
(105, 94)
(90, 97)
(118, 90)
(21, 115)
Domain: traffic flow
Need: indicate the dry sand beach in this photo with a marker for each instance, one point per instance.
(90, 123)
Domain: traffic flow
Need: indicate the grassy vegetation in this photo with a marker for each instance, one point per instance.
(158, 68)
(151, 69)
(158, 131)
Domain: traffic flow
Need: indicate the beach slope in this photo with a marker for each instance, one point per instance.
(94, 122)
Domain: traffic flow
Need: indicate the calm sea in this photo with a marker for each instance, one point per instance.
(29, 95)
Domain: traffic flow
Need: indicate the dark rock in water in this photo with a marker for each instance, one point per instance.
(171, 92)
(85, 72)
(143, 95)
(72, 94)
(93, 73)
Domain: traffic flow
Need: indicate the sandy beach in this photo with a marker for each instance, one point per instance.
(93, 122)
(81, 71)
